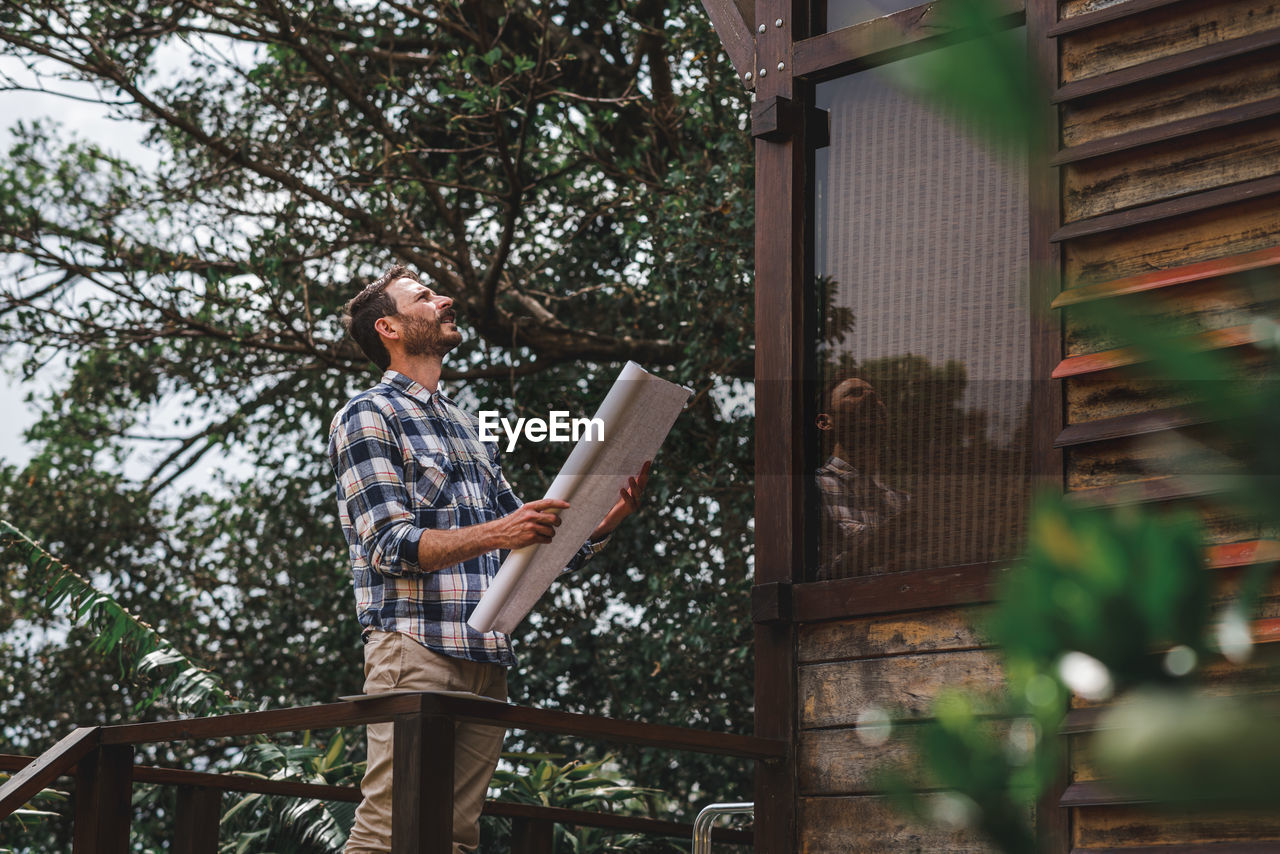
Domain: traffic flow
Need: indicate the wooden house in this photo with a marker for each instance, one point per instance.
(933, 277)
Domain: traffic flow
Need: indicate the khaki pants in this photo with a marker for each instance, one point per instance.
(396, 662)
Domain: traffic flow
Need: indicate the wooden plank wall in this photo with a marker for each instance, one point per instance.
(1169, 170)
(897, 664)
(1170, 175)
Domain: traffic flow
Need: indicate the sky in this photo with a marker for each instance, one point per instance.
(86, 120)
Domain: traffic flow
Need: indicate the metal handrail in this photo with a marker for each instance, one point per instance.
(708, 815)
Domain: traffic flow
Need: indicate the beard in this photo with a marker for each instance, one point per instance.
(423, 337)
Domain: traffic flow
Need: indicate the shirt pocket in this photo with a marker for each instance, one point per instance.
(431, 484)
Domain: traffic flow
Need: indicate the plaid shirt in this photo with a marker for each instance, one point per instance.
(406, 460)
(855, 508)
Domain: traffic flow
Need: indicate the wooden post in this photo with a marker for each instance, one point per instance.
(198, 815)
(781, 279)
(533, 836)
(104, 801)
(422, 785)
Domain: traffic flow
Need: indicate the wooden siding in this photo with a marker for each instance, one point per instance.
(897, 664)
(1169, 208)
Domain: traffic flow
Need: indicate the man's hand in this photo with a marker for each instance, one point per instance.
(534, 522)
(628, 503)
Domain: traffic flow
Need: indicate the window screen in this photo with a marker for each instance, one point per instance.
(923, 354)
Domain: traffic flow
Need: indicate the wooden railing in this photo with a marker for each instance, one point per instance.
(101, 759)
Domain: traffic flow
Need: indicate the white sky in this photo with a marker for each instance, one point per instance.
(85, 120)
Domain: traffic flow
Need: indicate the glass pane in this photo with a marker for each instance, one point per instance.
(921, 261)
(846, 13)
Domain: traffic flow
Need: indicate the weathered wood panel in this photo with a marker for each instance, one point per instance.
(1161, 32)
(1075, 8)
(1220, 678)
(874, 637)
(868, 825)
(1126, 826)
(836, 694)
(1201, 236)
(1154, 173)
(1185, 95)
(1176, 452)
(1184, 310)
(851, 761)
(845, 761)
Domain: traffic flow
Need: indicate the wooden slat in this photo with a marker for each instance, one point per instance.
(1171, 208)
(1179, 830)
(905, 686)
(1126, 426)
(47, 767)
(1189, 848)
(1154, 490)
(1228, 117)
(1166, 65)
(1156, 279)
(1121, 357)
(1105, 15)
(1246, 553)
(1094, 793)
(883, 39)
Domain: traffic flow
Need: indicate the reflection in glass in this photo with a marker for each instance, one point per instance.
(921, 259)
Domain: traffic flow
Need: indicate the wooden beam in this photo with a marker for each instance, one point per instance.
(47, 767)
(895, 591)
(104, 801)
(734, 23)
(781, 270)
(218, 783)
(383, 707)
(196, 820)
(887, 38)
(422, 785)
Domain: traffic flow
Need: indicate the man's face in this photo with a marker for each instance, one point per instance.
(855, 410)
(427, 323)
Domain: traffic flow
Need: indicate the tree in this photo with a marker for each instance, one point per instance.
(575, 174)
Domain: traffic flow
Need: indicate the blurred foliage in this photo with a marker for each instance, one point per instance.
(576, 175)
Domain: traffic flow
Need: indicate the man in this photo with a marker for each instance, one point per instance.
(425, 510)
(863, 520)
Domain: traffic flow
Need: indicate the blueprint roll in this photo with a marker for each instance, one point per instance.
(637, 414)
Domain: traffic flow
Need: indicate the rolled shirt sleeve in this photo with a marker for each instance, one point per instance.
(372, 492)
